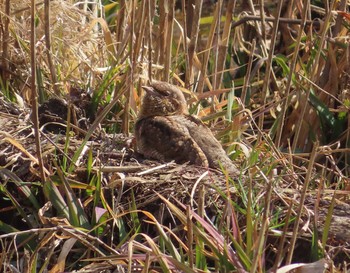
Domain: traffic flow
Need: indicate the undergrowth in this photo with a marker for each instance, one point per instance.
(271, 81)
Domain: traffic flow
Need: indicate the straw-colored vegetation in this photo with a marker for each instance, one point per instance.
(270, 78)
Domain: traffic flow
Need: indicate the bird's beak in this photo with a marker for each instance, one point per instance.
(149, 90)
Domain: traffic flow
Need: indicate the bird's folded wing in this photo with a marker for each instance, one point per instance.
(165, 139)
(207, 142)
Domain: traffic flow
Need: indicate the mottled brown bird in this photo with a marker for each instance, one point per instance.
(165, 131)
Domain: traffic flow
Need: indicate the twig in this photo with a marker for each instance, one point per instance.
(271, 19)
(156, 168)
(35, 115)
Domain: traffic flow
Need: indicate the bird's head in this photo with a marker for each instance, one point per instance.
(162, 99)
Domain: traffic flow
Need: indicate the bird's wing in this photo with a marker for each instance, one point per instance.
(207, 142)
(165, 139)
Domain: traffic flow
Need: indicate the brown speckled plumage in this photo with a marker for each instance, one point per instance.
(165, 131)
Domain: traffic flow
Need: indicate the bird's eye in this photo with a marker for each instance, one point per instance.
(161, 93)
(166, 93)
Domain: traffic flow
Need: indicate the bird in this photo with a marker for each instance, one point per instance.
(165, 131)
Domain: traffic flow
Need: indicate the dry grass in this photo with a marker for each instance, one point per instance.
(272, 81)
